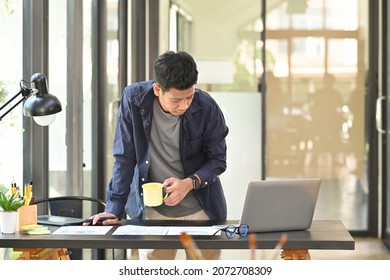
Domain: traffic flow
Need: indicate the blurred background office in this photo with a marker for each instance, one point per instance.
(303, 85)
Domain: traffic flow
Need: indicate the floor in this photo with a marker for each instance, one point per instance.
(365, 249)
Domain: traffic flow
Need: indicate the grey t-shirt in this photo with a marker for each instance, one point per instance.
(165, 160)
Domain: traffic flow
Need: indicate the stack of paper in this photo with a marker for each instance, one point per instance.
(34, 229)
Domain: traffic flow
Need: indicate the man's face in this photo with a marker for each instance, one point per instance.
(174, 101)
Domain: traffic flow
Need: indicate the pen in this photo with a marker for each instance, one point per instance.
(32, 200)
(190, 246)
(14, 188)
(30, 194)
(27, 194)
(282, 241)
(252, 245)
(24, 194)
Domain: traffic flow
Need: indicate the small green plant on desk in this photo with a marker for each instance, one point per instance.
(10, 203)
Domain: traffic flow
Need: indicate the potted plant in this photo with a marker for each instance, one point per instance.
(9, 214)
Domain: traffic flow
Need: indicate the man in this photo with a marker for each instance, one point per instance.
(171, 132)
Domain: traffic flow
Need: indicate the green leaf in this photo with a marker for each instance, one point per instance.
(11, 203)
(3, 189)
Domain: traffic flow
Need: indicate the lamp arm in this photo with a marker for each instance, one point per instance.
(25, 92)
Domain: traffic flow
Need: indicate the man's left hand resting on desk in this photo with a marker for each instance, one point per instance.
(104, 218)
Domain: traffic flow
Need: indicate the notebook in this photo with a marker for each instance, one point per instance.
(52, 220)
(280, 205)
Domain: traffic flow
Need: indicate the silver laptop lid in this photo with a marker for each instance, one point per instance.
(280, 205)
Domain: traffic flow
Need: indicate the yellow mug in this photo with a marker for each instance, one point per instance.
(153, 194)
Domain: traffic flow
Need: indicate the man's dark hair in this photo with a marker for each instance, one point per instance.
(175, 70)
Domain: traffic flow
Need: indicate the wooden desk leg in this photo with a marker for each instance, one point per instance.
(43, 253)
(294, 254)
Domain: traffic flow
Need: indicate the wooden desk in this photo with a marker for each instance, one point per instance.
(323, 235)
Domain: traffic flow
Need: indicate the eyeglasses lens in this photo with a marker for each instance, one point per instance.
(230, 231)
(243, 230)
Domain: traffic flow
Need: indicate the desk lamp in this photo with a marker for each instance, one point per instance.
(40, 104)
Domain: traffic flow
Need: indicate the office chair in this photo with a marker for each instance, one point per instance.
(72, 206)
(69, 206)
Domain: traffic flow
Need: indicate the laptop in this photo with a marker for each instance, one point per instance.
(52, 220)
(280, 205)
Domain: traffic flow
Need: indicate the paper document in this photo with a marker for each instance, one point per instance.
(140, 230)
(161, 230)
(193, 230)
(83, 230)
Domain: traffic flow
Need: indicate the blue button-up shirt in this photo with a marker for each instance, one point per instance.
(202, 149)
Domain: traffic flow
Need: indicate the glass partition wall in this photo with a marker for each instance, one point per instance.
(315, 125)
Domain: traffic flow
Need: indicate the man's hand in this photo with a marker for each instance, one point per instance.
(104, 219)
(176, 190)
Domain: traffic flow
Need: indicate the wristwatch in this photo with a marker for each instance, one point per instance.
(195, 180)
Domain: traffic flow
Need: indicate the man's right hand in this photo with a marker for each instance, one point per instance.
(104, 219)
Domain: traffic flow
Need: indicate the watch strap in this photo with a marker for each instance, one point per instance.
(195, 181)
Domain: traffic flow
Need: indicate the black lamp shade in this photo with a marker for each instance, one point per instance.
(41, 103)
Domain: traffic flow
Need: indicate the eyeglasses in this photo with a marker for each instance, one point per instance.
(231, 230)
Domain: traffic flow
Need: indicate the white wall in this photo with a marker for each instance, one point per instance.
(243, 117)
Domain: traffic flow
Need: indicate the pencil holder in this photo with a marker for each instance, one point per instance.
(27, 215)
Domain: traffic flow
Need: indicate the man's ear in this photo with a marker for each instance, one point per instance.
(156, 89)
